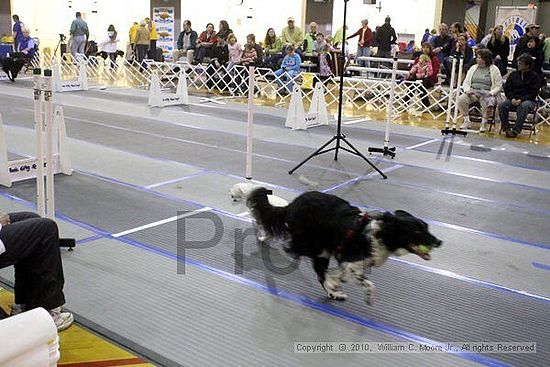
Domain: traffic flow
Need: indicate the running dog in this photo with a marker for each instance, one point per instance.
(321, 226)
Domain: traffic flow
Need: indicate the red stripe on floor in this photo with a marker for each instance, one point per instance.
(112, 363)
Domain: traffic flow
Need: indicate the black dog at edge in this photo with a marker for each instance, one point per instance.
(322, 226)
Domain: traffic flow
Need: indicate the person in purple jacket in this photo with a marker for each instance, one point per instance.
(290, 67)
(17, 32)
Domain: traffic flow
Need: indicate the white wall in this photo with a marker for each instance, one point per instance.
(46, 19)
(411, 16)
(264, 16)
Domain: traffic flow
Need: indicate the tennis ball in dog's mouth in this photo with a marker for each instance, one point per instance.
(423, 249)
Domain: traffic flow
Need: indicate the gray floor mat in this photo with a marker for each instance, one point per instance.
(401, 300)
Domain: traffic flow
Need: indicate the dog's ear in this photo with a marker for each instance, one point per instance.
(402, 213)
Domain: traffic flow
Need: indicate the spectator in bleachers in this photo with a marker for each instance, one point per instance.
(364, 42)
(338, 37)
(521, 90)
(187, 42)
(292, 36)
(310, 37)
(319, 44)
(422, 69)
(325, 62)
(487, 38)
(426, 36)
(499, 45)
(482, 84)
(442, 43)
(273, 49)
(456, 29)
(17, 32)
(290, 67)
(249, 55)
(462, 50)
(535, 52)
(27, 45)
(385, 37)
(430, 80)
(207, 40)
(31, 245)
(235, 51)
(251, 40)
(532, 31)
(470, 40)
(223, 32)
(546, 52)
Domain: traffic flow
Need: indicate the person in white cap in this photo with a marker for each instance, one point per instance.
(292, 36)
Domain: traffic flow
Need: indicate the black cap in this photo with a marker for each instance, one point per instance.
(36, 71)
(47, 72)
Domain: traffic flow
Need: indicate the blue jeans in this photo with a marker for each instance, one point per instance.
(363, 51)
(521, 111)
(288, 75)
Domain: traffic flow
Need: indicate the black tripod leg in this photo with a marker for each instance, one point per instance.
(317, 152)
(357, 152)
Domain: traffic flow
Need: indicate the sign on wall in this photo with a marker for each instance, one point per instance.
(164, 17)
(514, 20)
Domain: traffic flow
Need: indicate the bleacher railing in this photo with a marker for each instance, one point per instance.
(369, 91)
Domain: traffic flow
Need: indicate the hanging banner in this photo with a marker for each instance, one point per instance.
(471, 19)
(514, 20)
(164, 17)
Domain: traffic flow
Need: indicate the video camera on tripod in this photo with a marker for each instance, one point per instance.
(62, 42)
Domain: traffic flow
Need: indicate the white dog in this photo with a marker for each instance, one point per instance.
(240, 192)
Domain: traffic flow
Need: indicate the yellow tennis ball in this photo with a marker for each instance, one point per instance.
(424, 249)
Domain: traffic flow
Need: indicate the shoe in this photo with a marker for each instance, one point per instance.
(16, 309)
(511, 133)
(466, 125)
(62, 320)
(483, 127)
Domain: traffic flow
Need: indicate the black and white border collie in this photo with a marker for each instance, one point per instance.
(321, 226)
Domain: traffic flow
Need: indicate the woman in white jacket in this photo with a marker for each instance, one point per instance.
(482, 84)
(110, 45)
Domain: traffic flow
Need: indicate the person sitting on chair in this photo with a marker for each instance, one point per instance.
(521, 90)
(31, 244)
(27, 46)
(482, 84)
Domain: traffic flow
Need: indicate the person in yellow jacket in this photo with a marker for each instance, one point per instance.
(132, 33)
(153, 36)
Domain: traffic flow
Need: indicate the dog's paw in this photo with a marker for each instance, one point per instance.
(337, 295)
(369, 291)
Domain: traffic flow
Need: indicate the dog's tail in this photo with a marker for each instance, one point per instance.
(272, 218)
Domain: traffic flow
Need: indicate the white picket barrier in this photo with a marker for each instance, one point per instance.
(81, 83)
(157, 98)
(27, 168)
(297, 119)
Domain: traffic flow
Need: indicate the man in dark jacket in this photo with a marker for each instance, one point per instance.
(187, 42)
(385, 38)
(442, 43)
(521, 89)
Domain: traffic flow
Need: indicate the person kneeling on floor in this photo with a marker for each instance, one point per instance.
(521, 90)
(31, 244)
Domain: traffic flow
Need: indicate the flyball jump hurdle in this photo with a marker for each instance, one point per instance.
(51, 154)
(81, 83)
(297, 119)
(157, 98)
